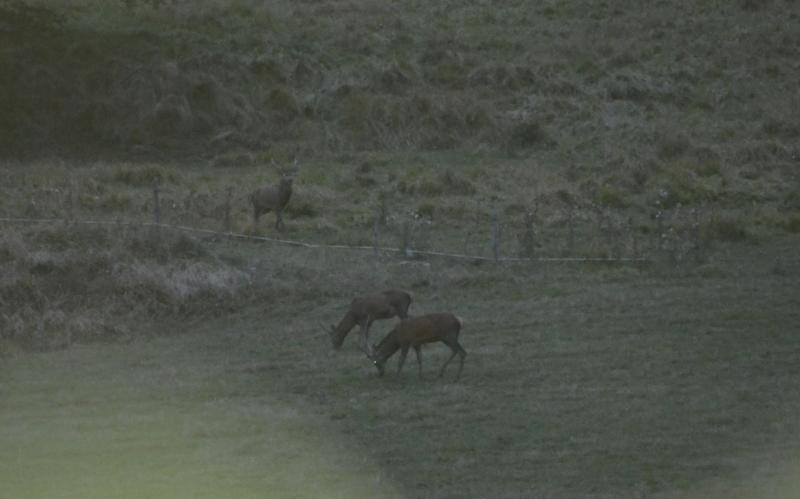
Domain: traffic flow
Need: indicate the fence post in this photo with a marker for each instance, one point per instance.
(616, 230)
(70, 203)
(634, 239)
(406, 239)
(571, 229)
(375, 233)
(659, 246)
(697, 245)
(156, 203)
(495, 236)
(529, 234)
(227, 216)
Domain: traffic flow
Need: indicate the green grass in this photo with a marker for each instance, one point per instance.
(588, 128)
(612, 382)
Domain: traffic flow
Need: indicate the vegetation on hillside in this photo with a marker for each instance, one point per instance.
(530, 130)
(607, 85)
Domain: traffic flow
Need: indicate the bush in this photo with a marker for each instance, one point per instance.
(528, 135)
(145, 176)
(612, 197)
(792, 224)
(727, 230)
(671, 147)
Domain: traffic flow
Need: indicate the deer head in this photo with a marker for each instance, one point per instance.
(331, 332)
(378, 362)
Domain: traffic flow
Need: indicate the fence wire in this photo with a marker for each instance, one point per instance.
(313, 245)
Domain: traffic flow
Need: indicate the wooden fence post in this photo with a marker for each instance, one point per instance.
(697, 244)
(495, 236)
(570, 229)
(375, 233)
(634, 239)
(156, 203)
(227, 215)
(659, 246)
(406, 250)
(528, 239)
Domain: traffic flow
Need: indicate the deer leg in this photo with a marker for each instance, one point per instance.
(365, 335)
(444, 366)
(457, 350)
(403, 354)
(418, 350)
(278, 220)
(463, 354)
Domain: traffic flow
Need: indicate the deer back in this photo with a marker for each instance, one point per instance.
(400, 301)
(372, 307)
(427, 328)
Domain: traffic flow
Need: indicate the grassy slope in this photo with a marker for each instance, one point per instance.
(580, 381)
(605, 382)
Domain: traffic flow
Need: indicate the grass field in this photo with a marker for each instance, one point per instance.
(144, 362)
(598, 381)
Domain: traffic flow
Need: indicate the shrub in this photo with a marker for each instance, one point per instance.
(426, 210)
(727, 230)
(282, 104)
(456, 184)
(671, 147)
(139, 177)
(233, 159)
(302, 209)
(527, 135)
(792, 224)
(612, 197)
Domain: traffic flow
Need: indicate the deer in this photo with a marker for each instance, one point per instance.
(272, 198)
(415, 332)
(364, 310)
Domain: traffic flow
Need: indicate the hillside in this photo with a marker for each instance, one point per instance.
(607, 194)
(585, 85)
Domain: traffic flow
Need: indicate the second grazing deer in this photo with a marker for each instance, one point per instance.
(415, 332)
(364, 310)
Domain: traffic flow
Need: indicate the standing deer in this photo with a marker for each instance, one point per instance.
(364, 310)
(272, 198)
(415, 332)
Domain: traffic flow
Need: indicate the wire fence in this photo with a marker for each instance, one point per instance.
(563, 231)
(410, 252)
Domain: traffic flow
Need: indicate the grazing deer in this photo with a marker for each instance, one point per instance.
(272, 198)
(364, 310)
(415, 332)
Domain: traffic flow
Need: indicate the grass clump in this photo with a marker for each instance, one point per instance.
(727, 229)
(145, 176)
(792, 224)
(671, 147)
(74, 284)
(612, 197)
(526, 135)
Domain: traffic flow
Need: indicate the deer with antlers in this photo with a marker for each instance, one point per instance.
(415, 332)
(364, 310)
(273, 197)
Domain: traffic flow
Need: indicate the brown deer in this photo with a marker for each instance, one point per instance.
(415, 332)
(272, 198)
(364, 310)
